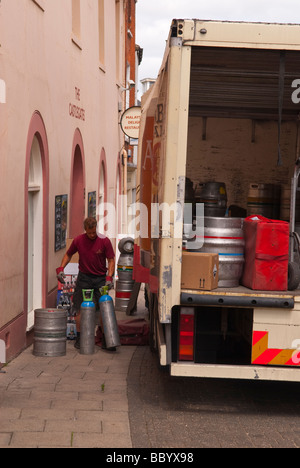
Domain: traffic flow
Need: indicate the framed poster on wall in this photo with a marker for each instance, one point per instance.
(92, 205)
(61, 221)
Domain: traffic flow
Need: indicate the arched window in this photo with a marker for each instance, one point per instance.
(77, 190)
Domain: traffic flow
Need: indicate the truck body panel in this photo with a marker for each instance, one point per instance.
(238, 34)
(225, 106)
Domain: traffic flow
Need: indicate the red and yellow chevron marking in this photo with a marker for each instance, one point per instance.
(263, 355)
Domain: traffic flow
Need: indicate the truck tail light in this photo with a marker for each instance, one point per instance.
(186, 334)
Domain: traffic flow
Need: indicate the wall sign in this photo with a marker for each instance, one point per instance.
(76, 110)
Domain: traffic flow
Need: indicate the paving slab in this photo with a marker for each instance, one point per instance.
(71, 401)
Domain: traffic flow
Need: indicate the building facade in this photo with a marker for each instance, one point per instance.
(62, 76)
(133, 58)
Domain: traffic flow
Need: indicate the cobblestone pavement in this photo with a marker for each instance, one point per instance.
(169, 412)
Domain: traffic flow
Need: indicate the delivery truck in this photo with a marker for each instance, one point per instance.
(219, 147)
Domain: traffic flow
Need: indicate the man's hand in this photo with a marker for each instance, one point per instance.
(60, 275)
(109, 282)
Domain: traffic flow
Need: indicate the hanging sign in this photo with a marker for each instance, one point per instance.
(130, 122)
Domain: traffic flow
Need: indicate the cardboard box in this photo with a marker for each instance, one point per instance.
(199, 271)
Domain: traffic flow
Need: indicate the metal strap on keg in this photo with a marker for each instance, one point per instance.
(280, 102)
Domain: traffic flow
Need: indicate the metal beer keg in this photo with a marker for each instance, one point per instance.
(225, 237)
(50, 332)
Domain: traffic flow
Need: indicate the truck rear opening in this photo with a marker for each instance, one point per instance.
(207, 335)
(225, 108)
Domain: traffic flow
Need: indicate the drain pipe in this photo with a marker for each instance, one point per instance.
(124, 161)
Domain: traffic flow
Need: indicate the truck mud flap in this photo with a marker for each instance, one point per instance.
(225, 300)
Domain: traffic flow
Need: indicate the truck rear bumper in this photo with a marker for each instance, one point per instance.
(225, 299)
(212, 371)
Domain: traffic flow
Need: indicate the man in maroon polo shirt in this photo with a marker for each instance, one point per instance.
(94, 250)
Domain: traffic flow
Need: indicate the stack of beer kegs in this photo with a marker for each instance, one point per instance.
(221, 234)
(124, 283)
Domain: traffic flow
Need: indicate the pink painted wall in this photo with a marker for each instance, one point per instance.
(56, 89)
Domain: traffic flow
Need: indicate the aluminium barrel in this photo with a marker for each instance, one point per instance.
(126, 245)
(123, 294)
(225, 237)
(125, 267)
(214, 197)
(264, 200)
(125, 282)
(50, 332)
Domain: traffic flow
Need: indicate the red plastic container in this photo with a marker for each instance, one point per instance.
(266, 254)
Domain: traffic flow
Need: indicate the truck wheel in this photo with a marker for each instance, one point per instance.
(293, 276)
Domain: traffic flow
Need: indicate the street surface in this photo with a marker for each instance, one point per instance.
(169, 412)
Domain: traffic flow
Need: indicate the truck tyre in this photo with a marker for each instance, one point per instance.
(293, 276)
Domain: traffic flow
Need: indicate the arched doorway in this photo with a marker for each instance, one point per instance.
(36, 218)
(77, 191)
(35, 231)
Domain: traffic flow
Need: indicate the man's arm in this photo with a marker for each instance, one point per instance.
(66, 259)
(110, 273)
(60, 271)
(111, 266)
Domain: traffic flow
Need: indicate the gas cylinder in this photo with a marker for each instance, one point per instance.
(87, 323)
(108, 319)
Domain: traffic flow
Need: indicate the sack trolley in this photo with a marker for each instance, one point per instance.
(294, 253)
